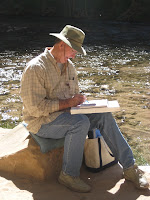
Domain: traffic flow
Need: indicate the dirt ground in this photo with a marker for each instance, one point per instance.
(106, 185)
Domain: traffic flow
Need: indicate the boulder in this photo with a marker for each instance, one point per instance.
(21, 156)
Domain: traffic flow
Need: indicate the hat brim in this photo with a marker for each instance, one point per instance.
(72, 45)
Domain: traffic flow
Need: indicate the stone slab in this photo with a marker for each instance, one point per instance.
(20, 155)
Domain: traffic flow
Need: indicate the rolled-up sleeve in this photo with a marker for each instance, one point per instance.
(33, 93)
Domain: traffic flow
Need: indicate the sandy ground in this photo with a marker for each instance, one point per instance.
(106, 185)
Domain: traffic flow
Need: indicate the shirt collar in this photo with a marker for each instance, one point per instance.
(49, 55)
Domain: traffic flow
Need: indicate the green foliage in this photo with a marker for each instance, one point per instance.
(7, 124)
(139, 159)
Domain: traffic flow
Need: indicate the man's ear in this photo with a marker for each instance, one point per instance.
(61, 44)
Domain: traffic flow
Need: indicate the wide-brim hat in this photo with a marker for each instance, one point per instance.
(73, 37)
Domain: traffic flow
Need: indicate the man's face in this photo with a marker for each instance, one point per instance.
(68, 53)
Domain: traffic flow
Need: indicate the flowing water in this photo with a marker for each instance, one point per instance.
(117, 66)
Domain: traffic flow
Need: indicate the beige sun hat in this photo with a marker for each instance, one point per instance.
(73, 37)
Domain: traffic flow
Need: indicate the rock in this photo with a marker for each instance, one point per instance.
(104, 87)
(21, 156)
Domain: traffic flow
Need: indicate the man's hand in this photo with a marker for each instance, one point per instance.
(72, 102)
(77, 100)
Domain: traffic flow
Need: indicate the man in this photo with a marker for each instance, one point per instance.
(49, 87)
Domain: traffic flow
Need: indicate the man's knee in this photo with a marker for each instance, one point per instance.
(84, 120)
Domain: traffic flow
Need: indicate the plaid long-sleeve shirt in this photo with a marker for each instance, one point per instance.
(42, 85)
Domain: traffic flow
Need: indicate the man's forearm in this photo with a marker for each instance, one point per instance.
(64, 104)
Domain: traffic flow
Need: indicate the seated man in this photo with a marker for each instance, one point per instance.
(49, 87)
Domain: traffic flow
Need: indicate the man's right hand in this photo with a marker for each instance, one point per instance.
(77, 100)
(72, 102)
